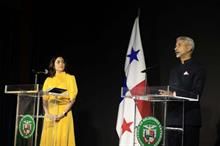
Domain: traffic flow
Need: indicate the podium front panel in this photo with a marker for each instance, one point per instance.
(153, 129)
(29, 119)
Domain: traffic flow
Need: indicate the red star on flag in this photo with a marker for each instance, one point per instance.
(126, 126)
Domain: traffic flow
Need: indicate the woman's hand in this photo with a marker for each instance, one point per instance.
(51, 117)
(56, 118)
(59, 117)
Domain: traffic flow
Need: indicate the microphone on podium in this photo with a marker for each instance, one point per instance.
(148, 68)
(40, 72)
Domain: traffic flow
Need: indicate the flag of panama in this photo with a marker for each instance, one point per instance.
(131, 111)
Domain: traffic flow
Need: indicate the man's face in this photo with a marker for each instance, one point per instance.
(182, 48)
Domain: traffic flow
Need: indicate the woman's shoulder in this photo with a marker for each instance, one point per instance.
(70, 75)
(48, 79)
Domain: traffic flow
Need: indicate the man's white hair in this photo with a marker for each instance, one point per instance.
(188, 40)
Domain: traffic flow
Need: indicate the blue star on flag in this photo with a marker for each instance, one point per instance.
(125, 87)
(133, 55)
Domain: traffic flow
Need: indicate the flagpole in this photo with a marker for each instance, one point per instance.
(135, 101)
(134, 118)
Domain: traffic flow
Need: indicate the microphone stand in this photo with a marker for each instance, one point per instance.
(36, 107)
(38, 72)
(35, 80)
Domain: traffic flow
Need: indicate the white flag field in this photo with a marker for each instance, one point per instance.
(131, 111)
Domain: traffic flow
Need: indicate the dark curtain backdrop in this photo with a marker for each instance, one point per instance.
(94, 41)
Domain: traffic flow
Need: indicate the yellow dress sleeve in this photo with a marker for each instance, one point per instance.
(73, 90)
(45, 88)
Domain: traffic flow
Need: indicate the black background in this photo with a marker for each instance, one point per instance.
(93, 40)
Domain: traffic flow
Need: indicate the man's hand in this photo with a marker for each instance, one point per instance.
(165, 92)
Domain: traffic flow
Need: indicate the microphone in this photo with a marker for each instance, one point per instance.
(148, 68)
(40, 72)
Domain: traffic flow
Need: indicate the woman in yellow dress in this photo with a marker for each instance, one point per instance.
(58, 126)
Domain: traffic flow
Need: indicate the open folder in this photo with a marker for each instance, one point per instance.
(56, 90)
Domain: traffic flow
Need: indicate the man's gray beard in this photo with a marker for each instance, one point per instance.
(178, 55)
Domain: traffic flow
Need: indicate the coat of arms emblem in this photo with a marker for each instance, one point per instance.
(26, 126)
(149, 132)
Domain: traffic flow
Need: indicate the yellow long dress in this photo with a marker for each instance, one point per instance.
(59, 133)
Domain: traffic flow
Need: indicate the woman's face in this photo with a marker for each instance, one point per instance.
(59, 64)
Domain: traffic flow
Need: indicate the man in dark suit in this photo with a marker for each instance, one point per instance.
(187, 79)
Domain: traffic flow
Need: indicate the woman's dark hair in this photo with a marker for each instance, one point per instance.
(52, 70)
